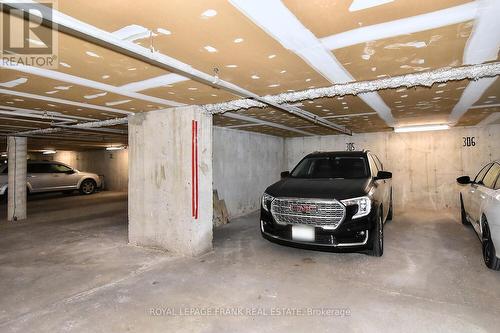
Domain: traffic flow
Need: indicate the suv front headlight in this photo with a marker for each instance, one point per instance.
(266, 201)
(364, 205)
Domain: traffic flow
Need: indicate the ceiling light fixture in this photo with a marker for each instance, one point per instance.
(209, 13)
(115, 148)
(421, 128)
(210, 49)
(49, 152)
(364, 4)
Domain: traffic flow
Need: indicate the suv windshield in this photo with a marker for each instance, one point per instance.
(331, 167)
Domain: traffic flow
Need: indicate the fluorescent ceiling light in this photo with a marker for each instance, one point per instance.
(115, 148)
(421, 128)
(364, 4)
(48, 152)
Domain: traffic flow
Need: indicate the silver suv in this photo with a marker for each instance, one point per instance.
(50, 176)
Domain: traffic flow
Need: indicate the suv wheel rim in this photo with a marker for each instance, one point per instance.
(88, 187)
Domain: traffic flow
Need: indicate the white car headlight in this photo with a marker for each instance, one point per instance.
(266, 201)
(364, 205)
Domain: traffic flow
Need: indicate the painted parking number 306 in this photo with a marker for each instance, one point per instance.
(469, 141)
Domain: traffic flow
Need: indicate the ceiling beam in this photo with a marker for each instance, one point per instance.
(26, 120)
(482, 46)
(63, 77)
(63, 101)
(264, 122)
(17, 126)
(484, 106)
(273, 17)
(352, 115)
(92, 34)
(404, 26)
(492, 118)
(154, 82)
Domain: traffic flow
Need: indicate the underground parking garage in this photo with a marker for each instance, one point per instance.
(250, 166)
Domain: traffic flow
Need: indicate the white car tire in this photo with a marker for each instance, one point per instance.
(489, 253)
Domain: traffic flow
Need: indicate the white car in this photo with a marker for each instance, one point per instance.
(51, 176)
(480, 205)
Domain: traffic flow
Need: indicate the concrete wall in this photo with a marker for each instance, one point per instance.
(424, 164)
(244, 165)
(112, 164)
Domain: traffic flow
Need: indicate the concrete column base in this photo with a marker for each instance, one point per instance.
(168, 208)
(17, 159)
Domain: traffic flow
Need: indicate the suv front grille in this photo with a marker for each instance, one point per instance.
(314, 212)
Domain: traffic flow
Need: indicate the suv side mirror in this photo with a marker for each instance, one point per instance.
(285, 174)
(383, 175)
(70, 172)
(464, 180)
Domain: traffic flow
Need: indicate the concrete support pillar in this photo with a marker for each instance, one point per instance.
(17, 159)
(170, 180)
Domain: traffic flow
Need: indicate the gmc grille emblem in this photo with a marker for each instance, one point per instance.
(304, 209)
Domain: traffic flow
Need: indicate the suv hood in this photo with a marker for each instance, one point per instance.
(339, 189)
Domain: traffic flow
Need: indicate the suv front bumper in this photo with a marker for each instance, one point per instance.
(350, 235)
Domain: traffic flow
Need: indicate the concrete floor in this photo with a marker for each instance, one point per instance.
(68, 268)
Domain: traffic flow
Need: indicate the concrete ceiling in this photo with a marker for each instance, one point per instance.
(267, 48)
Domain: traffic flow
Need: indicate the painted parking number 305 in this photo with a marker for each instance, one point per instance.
(469, 141)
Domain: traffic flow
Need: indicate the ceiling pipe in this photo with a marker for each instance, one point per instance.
(104, 130)
(71, 26)
(425, 79)
(27, 120)
(81, 126)
(93, 139)
(37, 114)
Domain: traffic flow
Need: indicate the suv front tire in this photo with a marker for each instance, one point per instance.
(489, 253)
(378, 237)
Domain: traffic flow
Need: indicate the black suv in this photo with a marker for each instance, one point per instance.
(334, 201)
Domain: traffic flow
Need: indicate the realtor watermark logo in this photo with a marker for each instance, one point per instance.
(27, 36)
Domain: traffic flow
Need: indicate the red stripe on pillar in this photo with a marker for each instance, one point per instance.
(194, 169)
